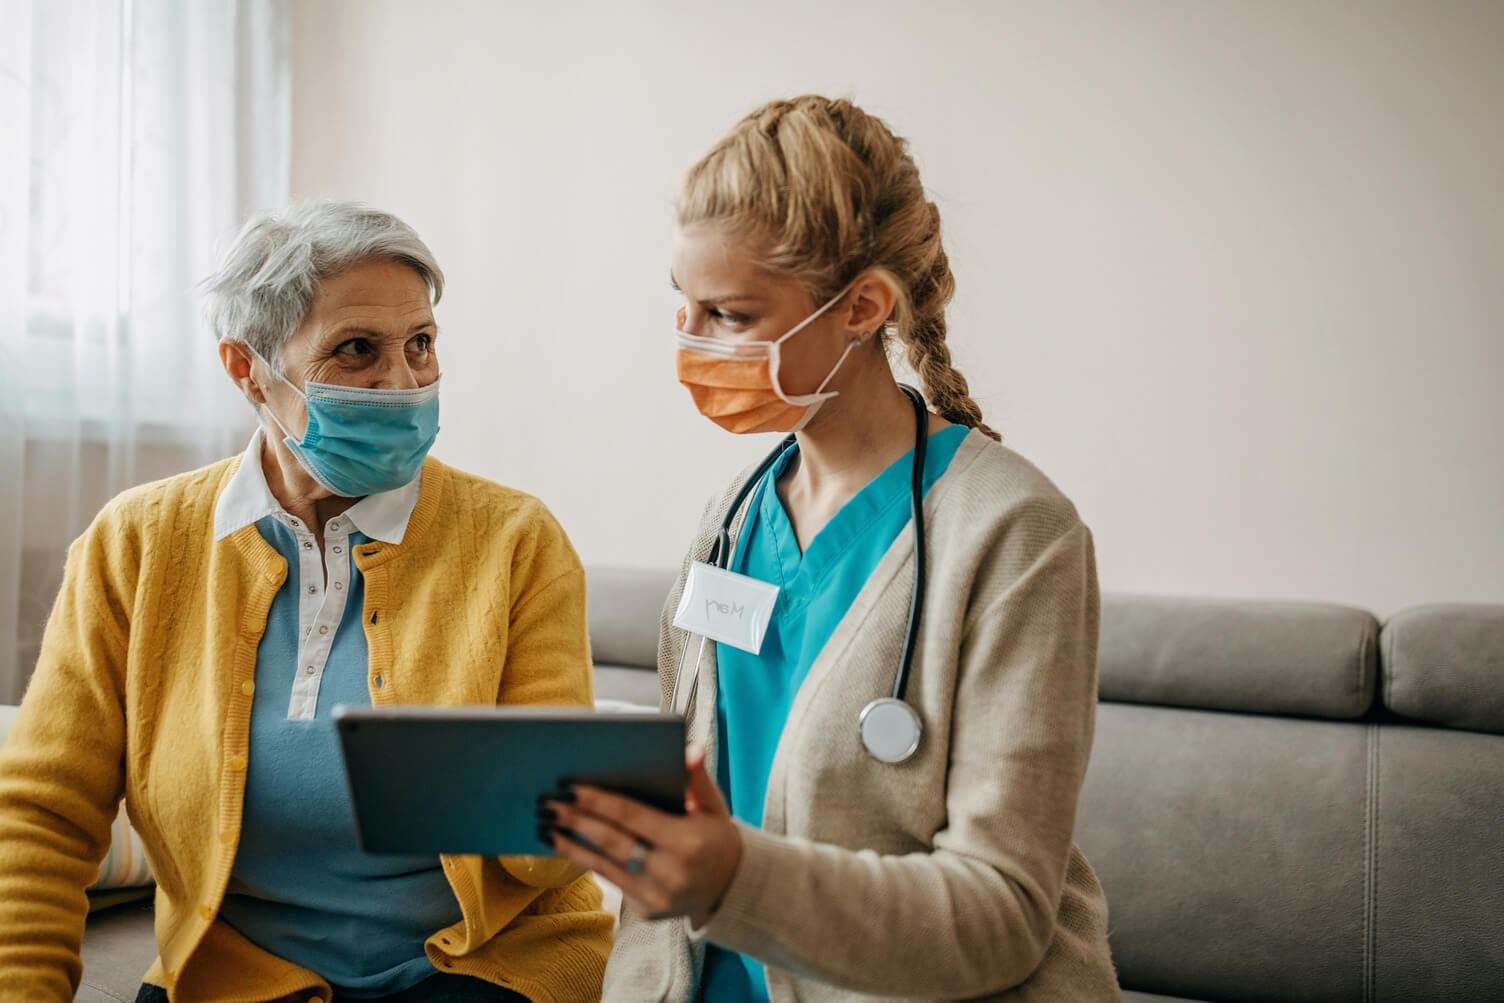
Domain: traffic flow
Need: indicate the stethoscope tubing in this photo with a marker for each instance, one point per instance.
(720, 554)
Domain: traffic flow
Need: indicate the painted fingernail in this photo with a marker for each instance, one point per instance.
(547, 815)
(546, 835)
(565, 796)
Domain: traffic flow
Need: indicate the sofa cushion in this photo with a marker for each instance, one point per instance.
(629, 684)
(1437, 865)
(1307, 659)
(623, 606)
(119, 946)
(1231, 848)
(1445, 665)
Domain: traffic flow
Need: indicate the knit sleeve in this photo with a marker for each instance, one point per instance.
(548, 656)
(974, 914)
(62, 768)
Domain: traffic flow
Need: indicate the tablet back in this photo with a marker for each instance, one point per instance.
(467, 779)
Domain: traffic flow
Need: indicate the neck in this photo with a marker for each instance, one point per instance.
(856, 435)
(295, 489)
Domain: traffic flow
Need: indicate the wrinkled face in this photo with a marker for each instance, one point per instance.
(371, 326)
(728, 295)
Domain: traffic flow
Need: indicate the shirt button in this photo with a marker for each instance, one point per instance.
(312, 589)
(307, 545)
(248, 687)
(237, 763)
(339, 550)
(309, 670)
(338, 586)
(324, 630)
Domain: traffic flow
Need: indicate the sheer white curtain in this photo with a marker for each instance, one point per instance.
(135, 135)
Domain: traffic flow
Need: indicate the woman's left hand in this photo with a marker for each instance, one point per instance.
(665, 865)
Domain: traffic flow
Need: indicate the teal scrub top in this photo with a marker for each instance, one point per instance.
(816, 588)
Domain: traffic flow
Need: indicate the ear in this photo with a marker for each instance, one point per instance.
(870, 303)
(239, 363)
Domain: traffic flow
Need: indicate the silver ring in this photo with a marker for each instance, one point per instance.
(639, 858)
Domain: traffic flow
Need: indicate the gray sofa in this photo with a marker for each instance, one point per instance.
(1286, 801)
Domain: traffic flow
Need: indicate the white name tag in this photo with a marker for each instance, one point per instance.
(726, 607)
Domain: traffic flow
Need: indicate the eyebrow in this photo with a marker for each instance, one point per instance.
(718, 300)
(371, 332)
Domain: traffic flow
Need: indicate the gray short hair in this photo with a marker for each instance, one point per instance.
(266, 283)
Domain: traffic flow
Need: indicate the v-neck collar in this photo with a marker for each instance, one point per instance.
(802, 573)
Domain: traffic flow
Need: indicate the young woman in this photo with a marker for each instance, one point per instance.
(863, 820)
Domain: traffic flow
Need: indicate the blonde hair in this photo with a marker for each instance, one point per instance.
(825, 191)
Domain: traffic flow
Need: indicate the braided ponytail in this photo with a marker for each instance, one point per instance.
(924, 341)
(829, 191)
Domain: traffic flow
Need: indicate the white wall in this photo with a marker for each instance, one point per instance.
(1231, 273)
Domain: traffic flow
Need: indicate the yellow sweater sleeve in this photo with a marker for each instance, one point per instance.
(548, 656)
(62, 768)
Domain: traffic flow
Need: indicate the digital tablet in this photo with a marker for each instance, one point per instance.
(467, 779)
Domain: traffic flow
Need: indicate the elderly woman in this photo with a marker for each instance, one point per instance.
(208, 623)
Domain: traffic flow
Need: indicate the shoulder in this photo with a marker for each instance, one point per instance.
(474, 493)
(509, 519)
(997, 515)
(181, 503)
(150, 520)
(996, 483)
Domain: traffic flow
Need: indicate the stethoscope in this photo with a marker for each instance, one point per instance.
(889, 728)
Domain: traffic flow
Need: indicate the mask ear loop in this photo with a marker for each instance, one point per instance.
(775, 360)
(267, 403)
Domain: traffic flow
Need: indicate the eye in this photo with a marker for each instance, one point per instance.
(355, 346)
(421, 343)
(726, 317)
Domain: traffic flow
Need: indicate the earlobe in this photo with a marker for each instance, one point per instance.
(239, 367)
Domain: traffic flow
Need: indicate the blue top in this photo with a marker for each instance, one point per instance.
(301, 887)
(816, 589)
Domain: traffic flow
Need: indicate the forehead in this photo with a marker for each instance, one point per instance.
(373, 288)
(705, 260)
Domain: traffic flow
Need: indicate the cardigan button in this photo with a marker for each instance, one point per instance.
(248, 687)
(227, 838)
(236, 763)
(206, 912)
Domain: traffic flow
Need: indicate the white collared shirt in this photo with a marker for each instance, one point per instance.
(323, 585)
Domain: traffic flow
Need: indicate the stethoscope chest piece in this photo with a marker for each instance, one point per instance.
(890, 730)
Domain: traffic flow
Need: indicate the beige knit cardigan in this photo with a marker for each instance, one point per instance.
(952, 875)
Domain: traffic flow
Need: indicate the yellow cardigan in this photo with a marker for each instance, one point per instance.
(144, 687)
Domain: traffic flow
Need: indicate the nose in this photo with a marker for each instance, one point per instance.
(681, 320)
(395, 372)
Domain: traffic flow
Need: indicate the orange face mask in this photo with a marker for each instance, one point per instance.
(736, 383)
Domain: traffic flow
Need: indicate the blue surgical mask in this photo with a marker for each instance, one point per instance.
(362, 441)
